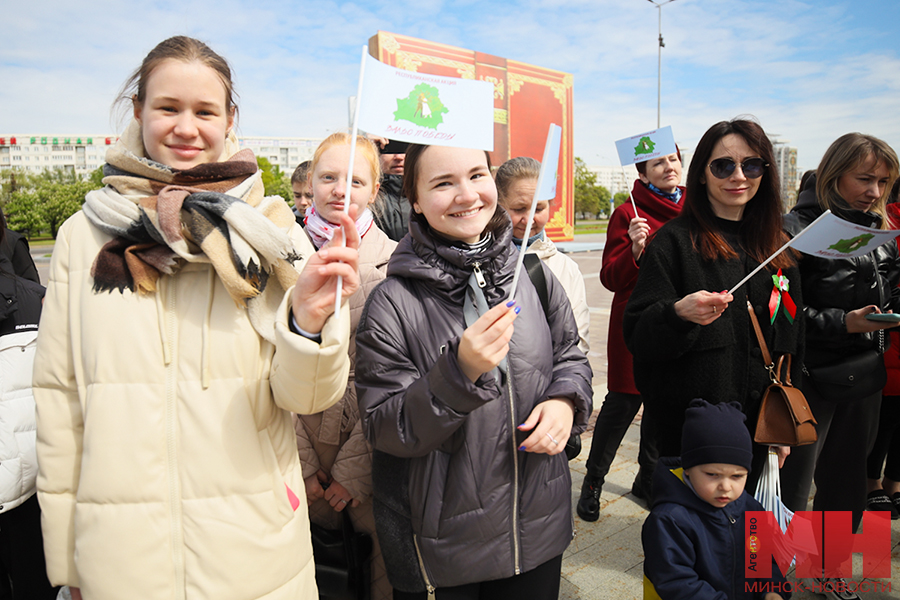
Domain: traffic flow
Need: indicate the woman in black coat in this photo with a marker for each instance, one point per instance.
(853, 180)
(688, 339)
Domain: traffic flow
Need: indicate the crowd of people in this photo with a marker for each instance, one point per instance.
(195, 408)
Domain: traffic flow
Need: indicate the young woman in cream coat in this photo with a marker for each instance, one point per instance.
(176, 344)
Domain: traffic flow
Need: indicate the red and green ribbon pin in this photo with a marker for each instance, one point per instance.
(781, 299)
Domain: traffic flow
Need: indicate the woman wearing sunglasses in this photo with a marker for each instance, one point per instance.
(690, 339)
(853, 180)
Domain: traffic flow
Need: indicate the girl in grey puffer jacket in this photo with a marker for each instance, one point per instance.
(468, 413)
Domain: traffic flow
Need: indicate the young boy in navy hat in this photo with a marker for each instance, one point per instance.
(694, 537)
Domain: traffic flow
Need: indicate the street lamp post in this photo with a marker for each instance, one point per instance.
(659, 58)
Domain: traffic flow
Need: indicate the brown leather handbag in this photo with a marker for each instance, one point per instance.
(785, 418)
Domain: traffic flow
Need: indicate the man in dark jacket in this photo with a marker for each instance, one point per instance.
(391, 210)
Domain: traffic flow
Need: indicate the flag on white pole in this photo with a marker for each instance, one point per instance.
(426, 109)
(834, 237)
(546, 190)
(830, 237)
(646, 146)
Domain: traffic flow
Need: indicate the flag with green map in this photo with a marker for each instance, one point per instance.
(426, 109)
(646, 146)
(833, 237)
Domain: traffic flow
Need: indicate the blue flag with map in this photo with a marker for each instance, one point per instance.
(646, 146)
(426, 109)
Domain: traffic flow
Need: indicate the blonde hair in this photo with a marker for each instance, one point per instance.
(513, 170)
(846, 154)
(364, 148)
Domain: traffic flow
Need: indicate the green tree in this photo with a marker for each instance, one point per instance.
(96, 178)
(23, 212)
(605, 200)
(12, 181)
(42, 202)
(619, 199)
(590, 198)
(275, 181)
(64, 201)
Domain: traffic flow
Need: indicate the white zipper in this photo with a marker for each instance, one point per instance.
(422, 565)
(515, 453)
(172, 444)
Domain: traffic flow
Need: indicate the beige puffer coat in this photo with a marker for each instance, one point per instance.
(333, 441)
(168, 463)
(569, 275)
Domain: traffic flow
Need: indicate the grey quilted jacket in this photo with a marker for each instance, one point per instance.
(455, 500)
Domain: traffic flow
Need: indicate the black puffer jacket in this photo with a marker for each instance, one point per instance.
(451, 490)
(833, 287)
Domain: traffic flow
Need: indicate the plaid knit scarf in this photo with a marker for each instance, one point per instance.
(162, 217)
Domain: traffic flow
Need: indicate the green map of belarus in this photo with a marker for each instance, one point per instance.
(422, 107)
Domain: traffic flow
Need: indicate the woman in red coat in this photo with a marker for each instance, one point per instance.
(657, 196)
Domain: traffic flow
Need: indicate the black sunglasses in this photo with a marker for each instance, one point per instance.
(722, 168)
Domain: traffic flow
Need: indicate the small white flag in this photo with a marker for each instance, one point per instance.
(426, 109)
(546, 190)
(830, 237)
(549, 165)
(646, 146)
(833, 237)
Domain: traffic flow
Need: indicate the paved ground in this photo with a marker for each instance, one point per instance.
(606, 559)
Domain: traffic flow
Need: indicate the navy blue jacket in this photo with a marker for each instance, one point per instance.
(693, 549)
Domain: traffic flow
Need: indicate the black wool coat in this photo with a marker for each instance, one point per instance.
(676, 361)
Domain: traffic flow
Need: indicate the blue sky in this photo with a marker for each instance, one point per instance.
(808, 70)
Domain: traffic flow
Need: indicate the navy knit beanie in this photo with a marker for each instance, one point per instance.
(715, 433)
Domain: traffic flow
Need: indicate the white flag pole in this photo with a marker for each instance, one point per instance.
(630, 197)
(348, 188)
(779, 251)
(545, 170)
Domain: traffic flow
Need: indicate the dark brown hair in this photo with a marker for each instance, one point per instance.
(185, 49)
(761, 231)
(410, 190)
